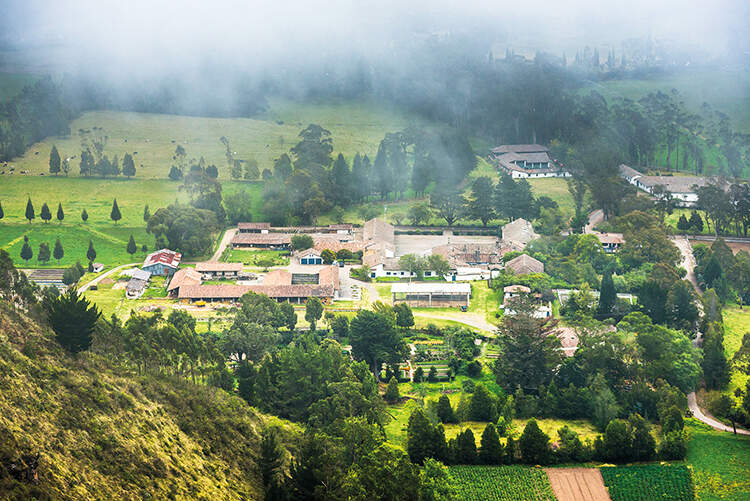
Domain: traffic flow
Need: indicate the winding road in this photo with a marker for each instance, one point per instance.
(225, 240)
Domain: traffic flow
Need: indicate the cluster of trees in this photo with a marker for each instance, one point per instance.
(623, 440)
(45, 215)
(93, 161)
(38, 111)
(308, 181)
(183, 228)
(720, 269)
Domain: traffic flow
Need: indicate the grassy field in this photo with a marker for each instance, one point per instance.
(251, 257)
(736, 325)
(649, 482)
(502, 483)
(355, 126)
(720, 463)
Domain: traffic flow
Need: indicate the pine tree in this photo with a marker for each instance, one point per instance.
(696, 222)
(2, 214)
(26, 252)
(534, 444)
(91, 253)
(29, 210)
(146, 214)
(270, 459)
(715, 364)
(391, 391)
(607, 295)
(84, 215)
(683, 224)
(342, 184)
(45, 214)
(128, 165)
(73, 319)
(44, 254)
(115, 214)
(466, 448)
(444, 410)
(131, 246)
(60, 213)
(492, 450)
(54, 161)
(482, 406)
(58, 251)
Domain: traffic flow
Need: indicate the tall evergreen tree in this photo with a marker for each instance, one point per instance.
(84, 215)
(146, 214)
(444, 410)
(58, 252)
(341, 180)
(45, 213)
(715, 365)
(607, 295)
(491, 451)
(466, 448)
(270, 459)
(29, 210)
(60, 213)
(382, 171)
(44, 254)
(504, 197)
(480, 205)
(534, 444)
(2, 214)
(131, 248)
(128, 165)
(115, 214)
(359, 179)
(91, 252)
(391, 391)
(54, 161)
(26, 252)
(73, 319)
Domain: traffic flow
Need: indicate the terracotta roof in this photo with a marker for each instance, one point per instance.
(277, 277)
(463, 254)
(253, 226)
(329, 276)
(226, 291)
(322, 243)
(184, 277)
(524, 264)
(520, 148)
(610, 238)
(164, 256)
(262, 239)
(377, 230)
(511, 289)
(568, 339)
(520, 231)
(210, 266)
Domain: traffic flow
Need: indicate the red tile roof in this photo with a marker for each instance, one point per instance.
(211, 266)
(262, 239)
(163, 256)
(184, 277)
(253, 226)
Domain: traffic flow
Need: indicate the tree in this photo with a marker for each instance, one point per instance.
(251, 169)
(643, 444)
(436, 482)
(422, 439)
(301, 242)
(375, 340)
(60, 213)
(84, 215)
(131, 248)
(44, 254)
(696, 222)
(419, 213)
(414, 264)
(29, 210)
(682, 312)
(616, 442)
(604, 403)
(288, 315)
(115, 215)
(54, 161)
(2, 214)
(26, 252)
(146, 214)
(444, 410)
(534, 444)
(270, 459)
(607, 295)
(404, 316)
(716, 369)
(73, 319)
(448, 203)
(391, 391)
(466, 448)
(58, 252)
(482, 405)
(438, 265)
(45, 213)
(91, 252)
(212, 172)
(313, 311)
(236, 170)
(419, 374)
(175, 173)
(328, 256)
(128, 166)
(480, 205)
(683, 224)
(491, 451)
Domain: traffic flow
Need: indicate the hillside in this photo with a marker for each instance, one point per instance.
(101, 435)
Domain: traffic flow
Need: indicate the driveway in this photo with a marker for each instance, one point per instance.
(698, 414)
(595, 218)
(101, 277)
(688, 260)
(225, 240)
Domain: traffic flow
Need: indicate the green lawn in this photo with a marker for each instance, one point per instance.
(736, 325)
(251, 257)
(354, 125)
(720, 462)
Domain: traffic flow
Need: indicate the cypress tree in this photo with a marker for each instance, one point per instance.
(683, 224)
(115, 214)
(715, 364)
(391, 391)
(466, 448)
(73, 319)
(128, 166)
(444, 410)
(58, 251)
(54, 161)
(44, 254)
(432, 375)
(492, 450)
(696, 222)
(131, 246)
(2, 214)
(607, 294)
(534, 444)
(45, 214)
(29, 210)
(146, 214)
(91, 253)
(60, 213)
(84, 215)
(26, 252)
(482, 406)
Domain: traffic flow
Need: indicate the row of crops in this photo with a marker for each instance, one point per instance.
(649, 483)
(502, 483)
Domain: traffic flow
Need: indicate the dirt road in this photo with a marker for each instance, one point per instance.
(225, 240)
(101, 277)
(688, 260)
(578, 484)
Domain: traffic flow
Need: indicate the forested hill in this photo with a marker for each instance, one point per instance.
(100, 435)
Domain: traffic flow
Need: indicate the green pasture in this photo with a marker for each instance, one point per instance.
(251, 257)
(736, 325)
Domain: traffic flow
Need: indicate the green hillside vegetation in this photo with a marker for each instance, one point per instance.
(502, 483)
(12, 83)
(354, 125)
(648, 482)
(100, 433)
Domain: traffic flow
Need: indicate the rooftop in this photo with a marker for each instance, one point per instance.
(210, 266)
(164, 256)
(226, 291)
(184, 277)
(520, 148)
(262, 239)
(513, 289)
(378, 230)
(253, 226)
(430, 287)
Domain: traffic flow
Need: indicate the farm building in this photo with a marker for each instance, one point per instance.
(611, 242)
(524, 265)
(472, 254)
(682, 188)
(309, 256)
(378, 231)
(215, 269)
(527, 160)
(262, 240)
(431, 295)
(518, 233)
(183, 277)
(253, 227)
(97, 267)
(162, 262)
(515, 291)
(135, 288)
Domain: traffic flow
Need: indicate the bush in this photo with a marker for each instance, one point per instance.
(467, 385)
(474, 368)
(674, 446)
(391, 392)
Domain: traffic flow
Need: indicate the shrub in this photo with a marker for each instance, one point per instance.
(534, 444)
(391, 392)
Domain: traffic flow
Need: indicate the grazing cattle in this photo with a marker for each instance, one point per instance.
(135, 153)
(36, 153)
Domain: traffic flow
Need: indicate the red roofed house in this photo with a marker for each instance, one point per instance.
(162, 262)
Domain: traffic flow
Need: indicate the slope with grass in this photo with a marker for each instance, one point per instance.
(100, 433)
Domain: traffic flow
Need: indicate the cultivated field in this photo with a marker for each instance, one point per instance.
(502, 483)
(649, 482)
(355, 126)
(577, 484)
